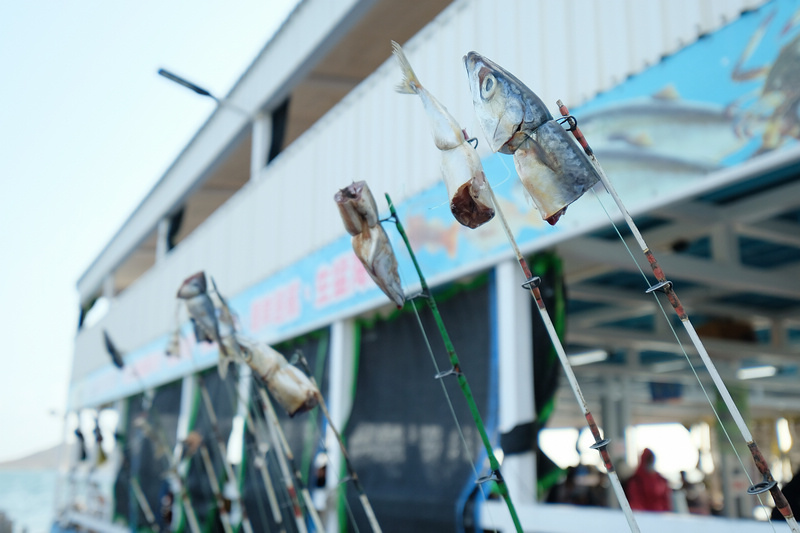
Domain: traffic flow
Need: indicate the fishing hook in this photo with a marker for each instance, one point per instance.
(455, 371)
(569, 119)
(663, 286)
(494, 476)
(421, 294)
(761, 487)
(532, 283)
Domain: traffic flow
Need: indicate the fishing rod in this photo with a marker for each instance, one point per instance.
(286, 474)
(665, 286)
(285, 449)
(214, 482)
(147, 430)
(275, 372)
(600, 444)
(172, 468)
(174, 349)
(456, 370)
(223, 452)
(290, 387)
(351, 471)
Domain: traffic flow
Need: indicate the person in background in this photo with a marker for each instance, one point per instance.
(792, 492)
(647, 490)
(697, 501)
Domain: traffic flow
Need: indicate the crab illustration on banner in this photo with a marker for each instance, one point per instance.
(371, 245)
(552, 167)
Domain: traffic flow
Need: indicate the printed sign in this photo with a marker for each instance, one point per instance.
(728, 98)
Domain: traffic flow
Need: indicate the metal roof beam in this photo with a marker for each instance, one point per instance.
(724, 275)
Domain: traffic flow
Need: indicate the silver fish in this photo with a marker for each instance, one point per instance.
(356, 207)
(507, 110)
(551, 166)
(370, 243)
(292, 389)
(373, 248)
(203, 315)
(470, 200)
(554, 170)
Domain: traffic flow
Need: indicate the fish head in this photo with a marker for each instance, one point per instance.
(506, 108)
(194, 285)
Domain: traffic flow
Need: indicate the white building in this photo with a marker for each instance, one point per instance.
(692, 110)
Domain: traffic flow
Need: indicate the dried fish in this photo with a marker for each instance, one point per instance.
(357, 207)
(370, 243)
(552, 168)
(470, 200)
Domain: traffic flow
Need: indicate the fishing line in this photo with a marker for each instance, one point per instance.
(685, 354)
(276, 512)
(494, 464)
(210, 412)
(410, 301)
(768, 483)
(468, 457)
(601, 445)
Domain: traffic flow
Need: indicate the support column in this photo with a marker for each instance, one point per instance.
(615, 413)
(340, 402)
(188, 387)
(108, 287)
(162, 246)
(517, 409)
(262, 138)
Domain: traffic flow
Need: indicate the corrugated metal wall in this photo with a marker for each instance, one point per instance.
(570, 49)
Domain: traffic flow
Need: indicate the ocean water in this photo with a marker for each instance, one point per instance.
(27, 498)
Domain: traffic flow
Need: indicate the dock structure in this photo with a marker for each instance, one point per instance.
(685, 106)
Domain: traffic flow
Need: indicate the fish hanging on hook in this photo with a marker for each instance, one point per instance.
(552, 167)
(203, 315)
(371, 245)
(470, 200)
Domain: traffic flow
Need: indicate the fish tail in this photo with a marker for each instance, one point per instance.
(410, 83)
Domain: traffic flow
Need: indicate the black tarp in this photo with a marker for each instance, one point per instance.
(140, 457)
(224, 399)
(547, 369)
(401, 435)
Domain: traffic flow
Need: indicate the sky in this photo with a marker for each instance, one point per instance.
(86, 129)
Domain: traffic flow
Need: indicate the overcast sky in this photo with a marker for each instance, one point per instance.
(86, 129)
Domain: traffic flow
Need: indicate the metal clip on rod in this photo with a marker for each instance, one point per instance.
(532, 283)
(452, 372)
(663, 286)
(599, 445)
(761, 487)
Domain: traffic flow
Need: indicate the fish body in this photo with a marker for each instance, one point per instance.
(373, 249)
(292, 389)
(551, 166)
(693, 131)
(554, 170)
(370, 243)
(203, 315)
(357, 207)
(470, 200)
(507, 110)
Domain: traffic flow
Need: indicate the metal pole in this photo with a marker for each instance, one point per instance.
(600, 444)
(462, 379)
(768, 483)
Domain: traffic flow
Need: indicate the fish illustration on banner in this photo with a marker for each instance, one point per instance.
(730, 97)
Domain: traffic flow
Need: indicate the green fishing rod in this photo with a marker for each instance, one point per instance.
(494, 464)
